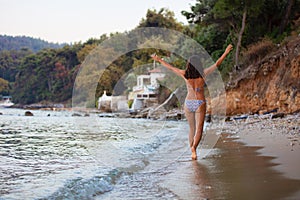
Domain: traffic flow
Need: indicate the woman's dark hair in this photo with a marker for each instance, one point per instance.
(194, 68)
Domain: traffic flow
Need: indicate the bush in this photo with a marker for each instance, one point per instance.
(130, 102)
(257, 51)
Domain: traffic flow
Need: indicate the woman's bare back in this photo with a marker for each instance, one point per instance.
(195, 88)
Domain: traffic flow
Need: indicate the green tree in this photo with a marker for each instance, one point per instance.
(83, 52)
(9, 61)
(235, 13)
(244, 21)
(4, 86)
(200, 12)
(163, 18)
(286, 18)
(46, 75)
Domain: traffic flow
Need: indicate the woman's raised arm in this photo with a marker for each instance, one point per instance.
(177, 71)
(212, 68)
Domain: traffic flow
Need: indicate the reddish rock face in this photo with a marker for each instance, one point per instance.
(272, 83)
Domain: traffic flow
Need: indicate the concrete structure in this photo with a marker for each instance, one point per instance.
(112, 103)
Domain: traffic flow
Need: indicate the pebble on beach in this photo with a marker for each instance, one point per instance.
(28, 113)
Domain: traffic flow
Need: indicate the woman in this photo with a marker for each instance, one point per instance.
(195, 104)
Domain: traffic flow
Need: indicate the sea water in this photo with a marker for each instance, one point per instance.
(53, 155)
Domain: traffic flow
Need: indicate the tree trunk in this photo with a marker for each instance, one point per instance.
(50, 81)
(240, 35)
(287, 15)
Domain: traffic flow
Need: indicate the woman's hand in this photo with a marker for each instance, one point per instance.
(220, 60)
(155, 57)
(228, 48)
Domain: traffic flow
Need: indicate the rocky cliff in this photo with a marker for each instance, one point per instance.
(269, 84)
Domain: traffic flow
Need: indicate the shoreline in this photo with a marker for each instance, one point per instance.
(256, 158)
(278, 138)
(247, 164)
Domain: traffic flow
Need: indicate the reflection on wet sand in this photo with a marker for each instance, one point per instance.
(237, 172)
(190, 180)
(200, 178)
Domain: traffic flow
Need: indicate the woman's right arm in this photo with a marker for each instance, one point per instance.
(177, 71)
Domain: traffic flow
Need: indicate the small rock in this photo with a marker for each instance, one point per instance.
(106, 115)
(278, 115)
(227, 119)
(208, 118)
(76, 115)
(28, 113)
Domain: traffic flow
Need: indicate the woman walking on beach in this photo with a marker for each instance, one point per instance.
(195, 104)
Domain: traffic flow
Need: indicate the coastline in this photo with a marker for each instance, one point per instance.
(255, 158)
(277, 137)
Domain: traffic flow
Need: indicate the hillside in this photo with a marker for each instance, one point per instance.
(19, 42)
(269, 84)
(49, 74)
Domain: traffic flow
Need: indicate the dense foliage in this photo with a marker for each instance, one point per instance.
(49, 73)
(241, 22)
(20, 42)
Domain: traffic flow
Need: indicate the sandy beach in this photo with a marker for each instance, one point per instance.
(278, 137)
(257, 158)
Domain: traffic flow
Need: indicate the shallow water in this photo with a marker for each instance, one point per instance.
(60, 156)
(65, 157)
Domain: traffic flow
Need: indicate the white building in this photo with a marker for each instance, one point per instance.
(146, 90)
(144, 94)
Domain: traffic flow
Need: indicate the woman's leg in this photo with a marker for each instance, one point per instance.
(190, 116)
(199, 121)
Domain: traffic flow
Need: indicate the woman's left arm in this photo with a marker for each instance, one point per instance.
(212, 68)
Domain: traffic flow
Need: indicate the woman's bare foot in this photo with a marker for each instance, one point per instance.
(194, 153)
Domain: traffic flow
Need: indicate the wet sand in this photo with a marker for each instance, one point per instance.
(253, 159)
(258, 159)
(280, 138)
